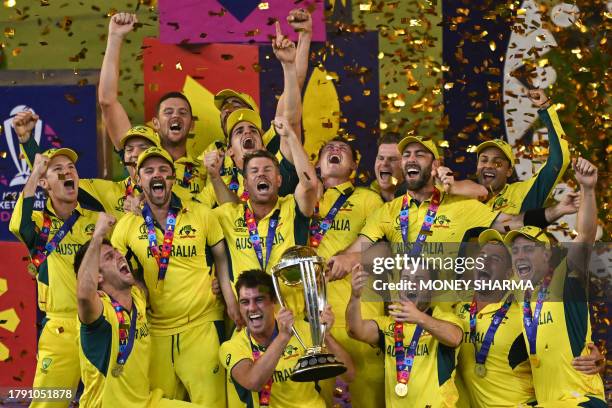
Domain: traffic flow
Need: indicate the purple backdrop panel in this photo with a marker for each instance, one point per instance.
(233, 21)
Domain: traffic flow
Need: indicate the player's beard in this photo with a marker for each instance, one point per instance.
(425, 175)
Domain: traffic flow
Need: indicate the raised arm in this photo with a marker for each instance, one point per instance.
(113, 114)
(213, 161)
(253, 375)
(586, 222)
(290, 104)
(466, 188)
(23, 123)
(306, 190)
(21, 224)
(89, 303)
(356, 326)
(544, 181)
(221, 269)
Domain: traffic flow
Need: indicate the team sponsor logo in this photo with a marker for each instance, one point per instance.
(142, 331)
(45, 364)
(442, 221)
(119, 206)
(240, 225)
(187, 231)
(499, 203)
(245, 242)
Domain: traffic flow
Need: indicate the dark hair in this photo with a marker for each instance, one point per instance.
(171, 95)
(342, 140)
(255, 278)
(78, 257)
(389, 138)
(259, 153)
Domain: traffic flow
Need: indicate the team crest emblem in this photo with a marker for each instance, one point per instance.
(187, 231)
(89, 229)
(290, 351)
(45, 364)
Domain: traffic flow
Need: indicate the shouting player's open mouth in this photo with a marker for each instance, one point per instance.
(412, 171)
(247, 143)
(157, 187)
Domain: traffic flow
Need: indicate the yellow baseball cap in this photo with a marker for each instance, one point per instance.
(427, 143)
(153, 152)
(63, 151)
(530, 232)
(489, 235)
(222, 95)
(141, 131)
(501, 145)
(243, 115)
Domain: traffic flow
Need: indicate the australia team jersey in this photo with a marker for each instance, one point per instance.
(284, 393)
(56, 276)
(292, 229)
(507, 382)
(516, 198)
(432, 380)
(184, 298)
(564, 330)
(99, 346)
(345, 227)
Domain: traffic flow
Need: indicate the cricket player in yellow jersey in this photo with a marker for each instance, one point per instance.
(452, 218)
(174, 244)
(339, 216)
(173, 115)
(496, 165)
(114, 197)
(114, 333)
(493, 362)
(258, 231)
(260, 359)
(53, 235)
(244, 132)
(388, 168)
(418, 341)
(556, 322)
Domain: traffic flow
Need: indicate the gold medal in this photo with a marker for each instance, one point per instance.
(535, 361)
(480, 370)
(401, 389)
(117, 370)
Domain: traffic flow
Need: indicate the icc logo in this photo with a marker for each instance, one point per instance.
(23, 172)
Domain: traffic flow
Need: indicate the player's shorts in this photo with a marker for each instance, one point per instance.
(188, 363)
(58, 357)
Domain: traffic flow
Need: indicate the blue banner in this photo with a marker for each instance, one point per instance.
(67, 118)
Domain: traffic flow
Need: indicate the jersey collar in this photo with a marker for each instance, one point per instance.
(51, 211)
(345, 188)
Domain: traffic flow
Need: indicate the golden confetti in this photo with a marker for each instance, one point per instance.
(9, 32)
(263, 5)
(9, 3)
(365, 7)
(492, 45)
(178, 66)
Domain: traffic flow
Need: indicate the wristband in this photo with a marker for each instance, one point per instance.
(536, 217)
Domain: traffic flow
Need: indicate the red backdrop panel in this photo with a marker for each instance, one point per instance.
(20, 296)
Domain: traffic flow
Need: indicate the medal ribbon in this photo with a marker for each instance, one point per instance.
(187, 175)
(319, 228)
(266, 392)
(44, 248)
(249, 217)
(404, 360)
(162, 257)
(498, 317)
(234, 185)
(531, 321)
(129, 188)
(127, 334)
(430, 217)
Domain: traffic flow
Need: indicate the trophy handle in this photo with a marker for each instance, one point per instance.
(312, 300)
(280, 301)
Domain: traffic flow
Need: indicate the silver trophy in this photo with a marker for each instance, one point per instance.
(300, 265)
(23, 171)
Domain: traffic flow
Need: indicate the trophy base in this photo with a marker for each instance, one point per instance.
(319, 366)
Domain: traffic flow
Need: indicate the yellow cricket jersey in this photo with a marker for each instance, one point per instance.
(285, 393)
(343, 231)
(56, 276)
(457, 219)
(191, 188)
(99, 346)
(521, 196)
(508, 381)
(432, 380)
(292, 230)
(564, 330)
(184, 298)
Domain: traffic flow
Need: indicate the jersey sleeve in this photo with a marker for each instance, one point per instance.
(207, 195)
(233, 351)
(290, 178)
(447, 316)
(120, 234)
(540, 186)
(22, 224)
(29, 149)
(214, 233)
(271, 140)
(378, 224)
(98, 195)
(477, 214)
